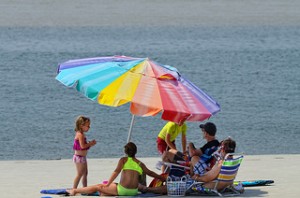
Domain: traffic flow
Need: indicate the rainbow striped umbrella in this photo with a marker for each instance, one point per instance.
(150, 87)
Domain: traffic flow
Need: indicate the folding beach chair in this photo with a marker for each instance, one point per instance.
(181, 167)
(227, 174)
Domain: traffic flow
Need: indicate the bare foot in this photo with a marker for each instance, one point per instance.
(71, 192)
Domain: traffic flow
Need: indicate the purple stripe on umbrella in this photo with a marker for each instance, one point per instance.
(89, 61)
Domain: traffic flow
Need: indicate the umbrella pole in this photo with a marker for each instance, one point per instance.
(130, 128)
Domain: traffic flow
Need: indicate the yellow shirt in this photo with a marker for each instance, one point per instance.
(173, 130)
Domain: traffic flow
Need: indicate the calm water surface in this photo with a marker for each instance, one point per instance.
(252, 71)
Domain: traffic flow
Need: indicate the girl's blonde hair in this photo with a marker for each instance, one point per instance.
(81, 120)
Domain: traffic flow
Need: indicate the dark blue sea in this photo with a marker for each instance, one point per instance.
(253, 72)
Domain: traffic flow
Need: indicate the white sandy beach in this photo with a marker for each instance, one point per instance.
(27, 178)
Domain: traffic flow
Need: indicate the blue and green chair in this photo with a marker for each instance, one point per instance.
(226, 176)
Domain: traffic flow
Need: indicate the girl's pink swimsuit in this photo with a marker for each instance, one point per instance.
(77, 146)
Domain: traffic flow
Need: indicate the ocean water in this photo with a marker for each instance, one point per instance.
(251, 71)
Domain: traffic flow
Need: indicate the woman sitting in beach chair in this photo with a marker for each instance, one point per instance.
(208, 179)
(130, 168)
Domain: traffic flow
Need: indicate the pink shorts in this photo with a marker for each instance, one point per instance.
(79, 159)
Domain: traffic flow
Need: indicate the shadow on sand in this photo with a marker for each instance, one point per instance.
(255, 191)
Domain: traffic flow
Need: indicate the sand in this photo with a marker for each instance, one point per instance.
(28, 178)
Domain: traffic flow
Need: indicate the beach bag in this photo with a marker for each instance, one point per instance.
(176, 187)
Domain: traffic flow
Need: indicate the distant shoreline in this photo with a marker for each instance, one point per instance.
(278, 156)
(100, 13)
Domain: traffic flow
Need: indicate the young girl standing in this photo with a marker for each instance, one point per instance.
(81, 147)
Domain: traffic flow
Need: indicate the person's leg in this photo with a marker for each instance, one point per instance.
(80, 168)
(200, 168)
(179, 157)
(80, 163)
(191, 149)
(110, 190)
(84, 175)
(168, 148)
(194, 161)
(172, 156)
(168, 156)
(157, 190)
(85, 190)
(161, 148)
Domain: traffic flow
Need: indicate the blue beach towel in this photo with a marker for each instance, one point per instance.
(54, 191)
(62, 192)
(148, 195)
(256, 183)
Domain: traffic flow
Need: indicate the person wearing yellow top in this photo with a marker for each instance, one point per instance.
(130, 169)
(167, 136)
